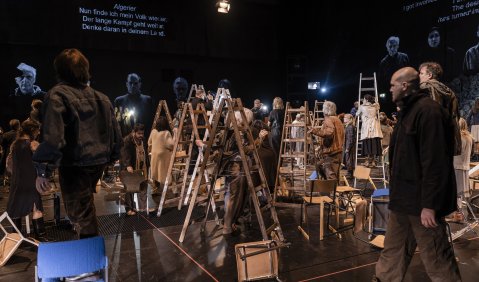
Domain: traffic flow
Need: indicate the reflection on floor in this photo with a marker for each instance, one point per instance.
(144, 248)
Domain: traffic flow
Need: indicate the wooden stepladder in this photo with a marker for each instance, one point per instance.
(318, 116)
(292, 176)
(250, 163)
(193, 89)
(162, 109)
(179, 163)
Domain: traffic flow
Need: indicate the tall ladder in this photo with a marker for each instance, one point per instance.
(180, 160)
(162, 108)
(231, 106)
(318, 116)
(221, 93)
(368, 85)
(291, 179)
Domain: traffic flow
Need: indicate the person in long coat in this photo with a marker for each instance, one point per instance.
(160, 145)
(371, 133)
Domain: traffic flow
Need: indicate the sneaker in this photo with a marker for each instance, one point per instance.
(131, 212)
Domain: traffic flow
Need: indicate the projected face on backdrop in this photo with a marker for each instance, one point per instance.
(392, 45)
(26, 81)
(180, 87)
(133, 84)
(434, 39)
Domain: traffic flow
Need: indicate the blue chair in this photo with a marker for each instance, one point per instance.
(70, 258)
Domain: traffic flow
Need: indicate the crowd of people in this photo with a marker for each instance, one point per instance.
(428, 145)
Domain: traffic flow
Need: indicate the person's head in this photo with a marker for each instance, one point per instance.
(278, 103)
(257, 103)
(249, 118)
(72, 67)
(369, 98)
(27, 79)
(392, 45)
(36, 104)
(30, 128)
(430, 70)
(434, 38)
(348, 118)
(14, 124)
(200, 93)
(298, 116)
(404, 82)
(383, 117)
(356, 104)
(180, 88)
(224, 83)
(162, 124)
(462, 124)
(139, 131)
(133, 84)
(329, 108)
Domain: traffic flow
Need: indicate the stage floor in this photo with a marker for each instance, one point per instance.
(145, 248)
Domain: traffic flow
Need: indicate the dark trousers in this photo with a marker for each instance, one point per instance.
(328, 166)
(404, 233)
(78, 185)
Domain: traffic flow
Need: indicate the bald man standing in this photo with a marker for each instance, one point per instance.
(422, 185)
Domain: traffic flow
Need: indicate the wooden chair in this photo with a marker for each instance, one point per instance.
(11, 241)
(319, 192)
(346, 193)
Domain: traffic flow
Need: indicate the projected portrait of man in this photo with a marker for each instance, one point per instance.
(134, 107)
(393, 61)
(26, 82)
(180, 88)
(471, 58)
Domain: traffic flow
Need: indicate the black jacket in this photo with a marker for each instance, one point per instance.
(421, 154)
(128, 152)
(79, 129)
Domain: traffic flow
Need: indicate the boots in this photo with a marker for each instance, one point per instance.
(373, 162)
(39, 230)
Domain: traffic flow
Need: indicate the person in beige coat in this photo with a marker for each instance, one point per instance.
(371, 133)
(160, 145)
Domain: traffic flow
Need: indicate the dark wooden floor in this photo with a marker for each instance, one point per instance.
(148, 253)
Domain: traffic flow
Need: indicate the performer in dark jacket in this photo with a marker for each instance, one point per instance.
(422, 184)
(80, 136)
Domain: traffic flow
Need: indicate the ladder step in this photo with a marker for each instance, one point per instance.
(296, 155)
(368, 89)
(296, 110)
(258, 188)
(294, 140)
(288, 170)
(299, 124)
(367, 78)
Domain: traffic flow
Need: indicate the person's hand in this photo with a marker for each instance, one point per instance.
(199, 143)
(42, 184)
(210, 97)
(263, 133)
(129, 169)
(34, 145)
(428, 218)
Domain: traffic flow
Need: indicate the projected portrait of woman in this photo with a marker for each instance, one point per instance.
(437, 51)
(26, 82)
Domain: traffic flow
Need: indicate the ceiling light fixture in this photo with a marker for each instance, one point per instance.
(223, 6)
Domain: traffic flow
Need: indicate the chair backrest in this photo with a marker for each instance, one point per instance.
(132, 180)
(69, 258)
(323, 187)
(362, 172)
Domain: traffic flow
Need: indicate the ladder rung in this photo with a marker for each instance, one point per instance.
(266, 207)
(289, 170)
(258, 188)
(293, 140)
(367, 78)
(368, 89)
(297, 155)
(299, 124)
(296, 110)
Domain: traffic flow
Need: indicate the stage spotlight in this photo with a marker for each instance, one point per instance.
(382, 95)
(323, 89)
(264, 108)
(131, 113)
(223, 6)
